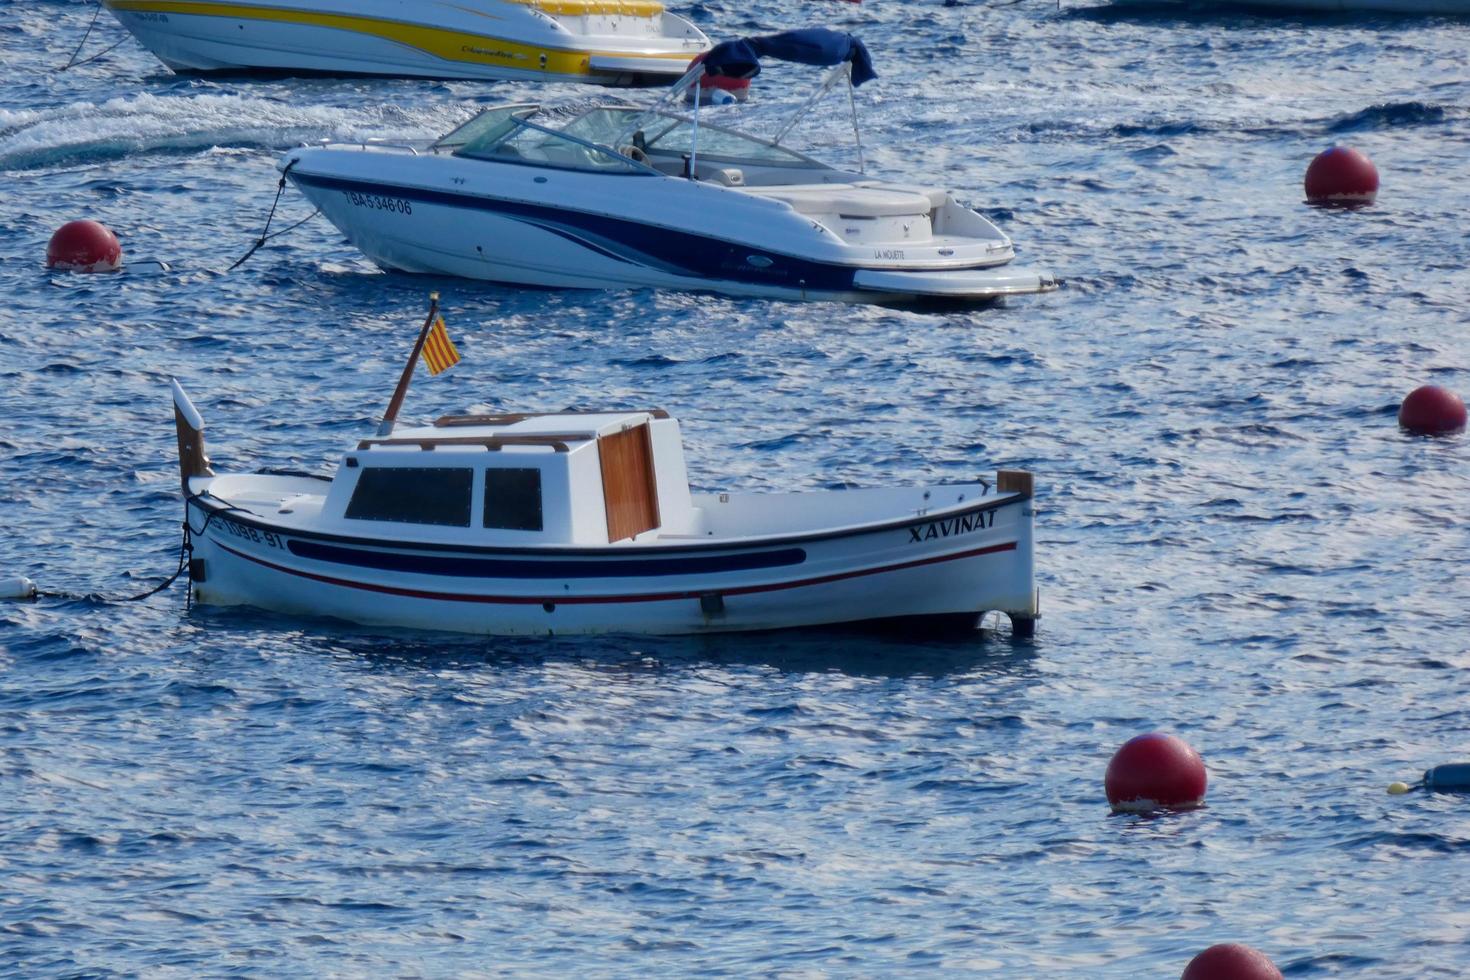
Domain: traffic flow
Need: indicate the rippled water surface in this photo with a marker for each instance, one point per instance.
(1234, 540)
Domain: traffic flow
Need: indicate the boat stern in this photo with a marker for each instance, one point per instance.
(1023, 604)
(623, 42)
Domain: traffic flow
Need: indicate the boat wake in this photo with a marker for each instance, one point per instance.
(1384, 116)
(1390, 115)
(86, 132)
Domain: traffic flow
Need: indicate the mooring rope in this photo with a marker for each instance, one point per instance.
(73, 62)
(265, 234)
(186, 555)
(186, 551)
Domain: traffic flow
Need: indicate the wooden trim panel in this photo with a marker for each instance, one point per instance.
(629, 489)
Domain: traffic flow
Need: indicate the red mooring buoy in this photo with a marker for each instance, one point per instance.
(1153, 771)
(1341, 175)
(1231, 961)
(1430, 410)
(84, 246)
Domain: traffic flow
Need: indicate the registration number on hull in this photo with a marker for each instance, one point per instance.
(377, 202)
(246, 533)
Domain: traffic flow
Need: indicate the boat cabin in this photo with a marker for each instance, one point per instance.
(589, 479)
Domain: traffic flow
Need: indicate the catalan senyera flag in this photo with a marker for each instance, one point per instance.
(440, 353)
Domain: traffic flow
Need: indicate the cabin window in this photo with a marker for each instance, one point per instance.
(413, 495)
(513, 499)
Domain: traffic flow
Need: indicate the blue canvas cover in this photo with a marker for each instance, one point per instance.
(814, 46)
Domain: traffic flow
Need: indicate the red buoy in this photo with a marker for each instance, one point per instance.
(1341, 175)
(84, 246)
(1155, 770)
(1430, 410)
(1231, 961)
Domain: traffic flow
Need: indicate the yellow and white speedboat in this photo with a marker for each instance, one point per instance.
(606, 42)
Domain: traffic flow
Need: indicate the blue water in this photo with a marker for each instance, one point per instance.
(1235, 542)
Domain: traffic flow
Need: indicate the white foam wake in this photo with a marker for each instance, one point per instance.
(85, 132)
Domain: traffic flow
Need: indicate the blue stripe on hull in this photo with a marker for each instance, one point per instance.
(510, 568)
(665, 250)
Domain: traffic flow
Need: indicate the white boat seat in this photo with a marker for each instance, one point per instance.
(724, 176)
(710, 173)
(848, 199)
(936, 195)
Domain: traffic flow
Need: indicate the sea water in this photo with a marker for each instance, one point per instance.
(1234, 541)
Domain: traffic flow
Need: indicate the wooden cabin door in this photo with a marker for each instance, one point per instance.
(629, 489)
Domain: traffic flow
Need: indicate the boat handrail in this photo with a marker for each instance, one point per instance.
(297, 474)
(375, 143)
(510, 418)
(371, 143)
(557, 441)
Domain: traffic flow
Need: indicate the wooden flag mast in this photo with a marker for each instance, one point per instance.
(385, 428)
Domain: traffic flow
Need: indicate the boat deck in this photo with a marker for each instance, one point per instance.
(294, 503)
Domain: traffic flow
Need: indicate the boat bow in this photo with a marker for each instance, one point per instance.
(189, 425)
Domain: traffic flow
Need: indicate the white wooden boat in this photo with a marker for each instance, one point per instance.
(584, 522)
(608, 42)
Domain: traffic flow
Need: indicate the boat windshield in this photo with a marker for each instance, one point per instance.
(675, 135)
(528, 133)
(486, 126)
(516, 140)
(601, 125)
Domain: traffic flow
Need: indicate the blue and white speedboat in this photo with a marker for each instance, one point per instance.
(613, 195)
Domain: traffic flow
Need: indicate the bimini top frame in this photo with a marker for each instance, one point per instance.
(740, 58)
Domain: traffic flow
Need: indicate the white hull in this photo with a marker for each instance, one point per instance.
(426, 213)
(958, 562)
(482, 39)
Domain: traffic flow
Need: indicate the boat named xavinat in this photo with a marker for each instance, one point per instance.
(584, 522)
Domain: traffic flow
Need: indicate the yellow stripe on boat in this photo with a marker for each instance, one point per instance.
(445, 44)
(583, 8)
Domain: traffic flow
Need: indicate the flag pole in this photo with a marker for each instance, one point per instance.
(385, 428)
